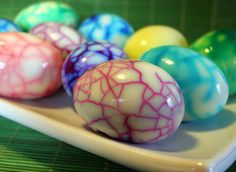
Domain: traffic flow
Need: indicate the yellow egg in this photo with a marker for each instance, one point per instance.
(153, 36)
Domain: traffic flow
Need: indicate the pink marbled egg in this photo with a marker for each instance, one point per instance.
(129, 100)
(63, 37)
(29, 67)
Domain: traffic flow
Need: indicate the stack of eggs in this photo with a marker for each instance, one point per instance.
(133, 86)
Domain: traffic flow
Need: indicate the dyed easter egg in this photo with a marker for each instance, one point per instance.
(129, 100)
(29, 67)
(48, 11)
(106, 27)
(86, 56)
(203, 84)
(8, 26)
(150, 37)
(220, 47)
(63, 37)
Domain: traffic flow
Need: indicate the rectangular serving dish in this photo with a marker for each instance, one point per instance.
(200, 146)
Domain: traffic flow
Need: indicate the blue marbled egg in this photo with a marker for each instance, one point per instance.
(85, 57)
(8, 26)
(203, 84)
(106, 27)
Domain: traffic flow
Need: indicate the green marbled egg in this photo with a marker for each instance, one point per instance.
(41, 12)
(220, 47)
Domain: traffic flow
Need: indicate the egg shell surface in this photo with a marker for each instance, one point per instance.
(153, 36)
(8, 25)
(29, 67)
(203, 84)
(85, 57)
(63, 37)
(46, 11)
(106, 27)
(129, 100)
(220, 47)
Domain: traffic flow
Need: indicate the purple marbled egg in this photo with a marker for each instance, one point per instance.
(85, 57)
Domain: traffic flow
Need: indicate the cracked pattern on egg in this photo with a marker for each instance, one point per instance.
(129, 100)
(63, 37)
(85, 57)
(29, 67)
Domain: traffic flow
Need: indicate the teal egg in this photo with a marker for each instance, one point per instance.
(203, 84)
(48, 11)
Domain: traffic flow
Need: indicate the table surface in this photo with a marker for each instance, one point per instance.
(23, 149)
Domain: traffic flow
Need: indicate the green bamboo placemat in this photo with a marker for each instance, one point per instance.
(25, 150)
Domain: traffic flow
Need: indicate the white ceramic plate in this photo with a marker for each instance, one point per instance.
(204, 146)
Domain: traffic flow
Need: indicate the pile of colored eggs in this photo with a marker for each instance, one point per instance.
(142, 99)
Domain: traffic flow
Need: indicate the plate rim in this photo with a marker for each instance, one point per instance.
(181, 163)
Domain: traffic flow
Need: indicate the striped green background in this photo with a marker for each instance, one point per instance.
(192, 17)
(25, 150)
